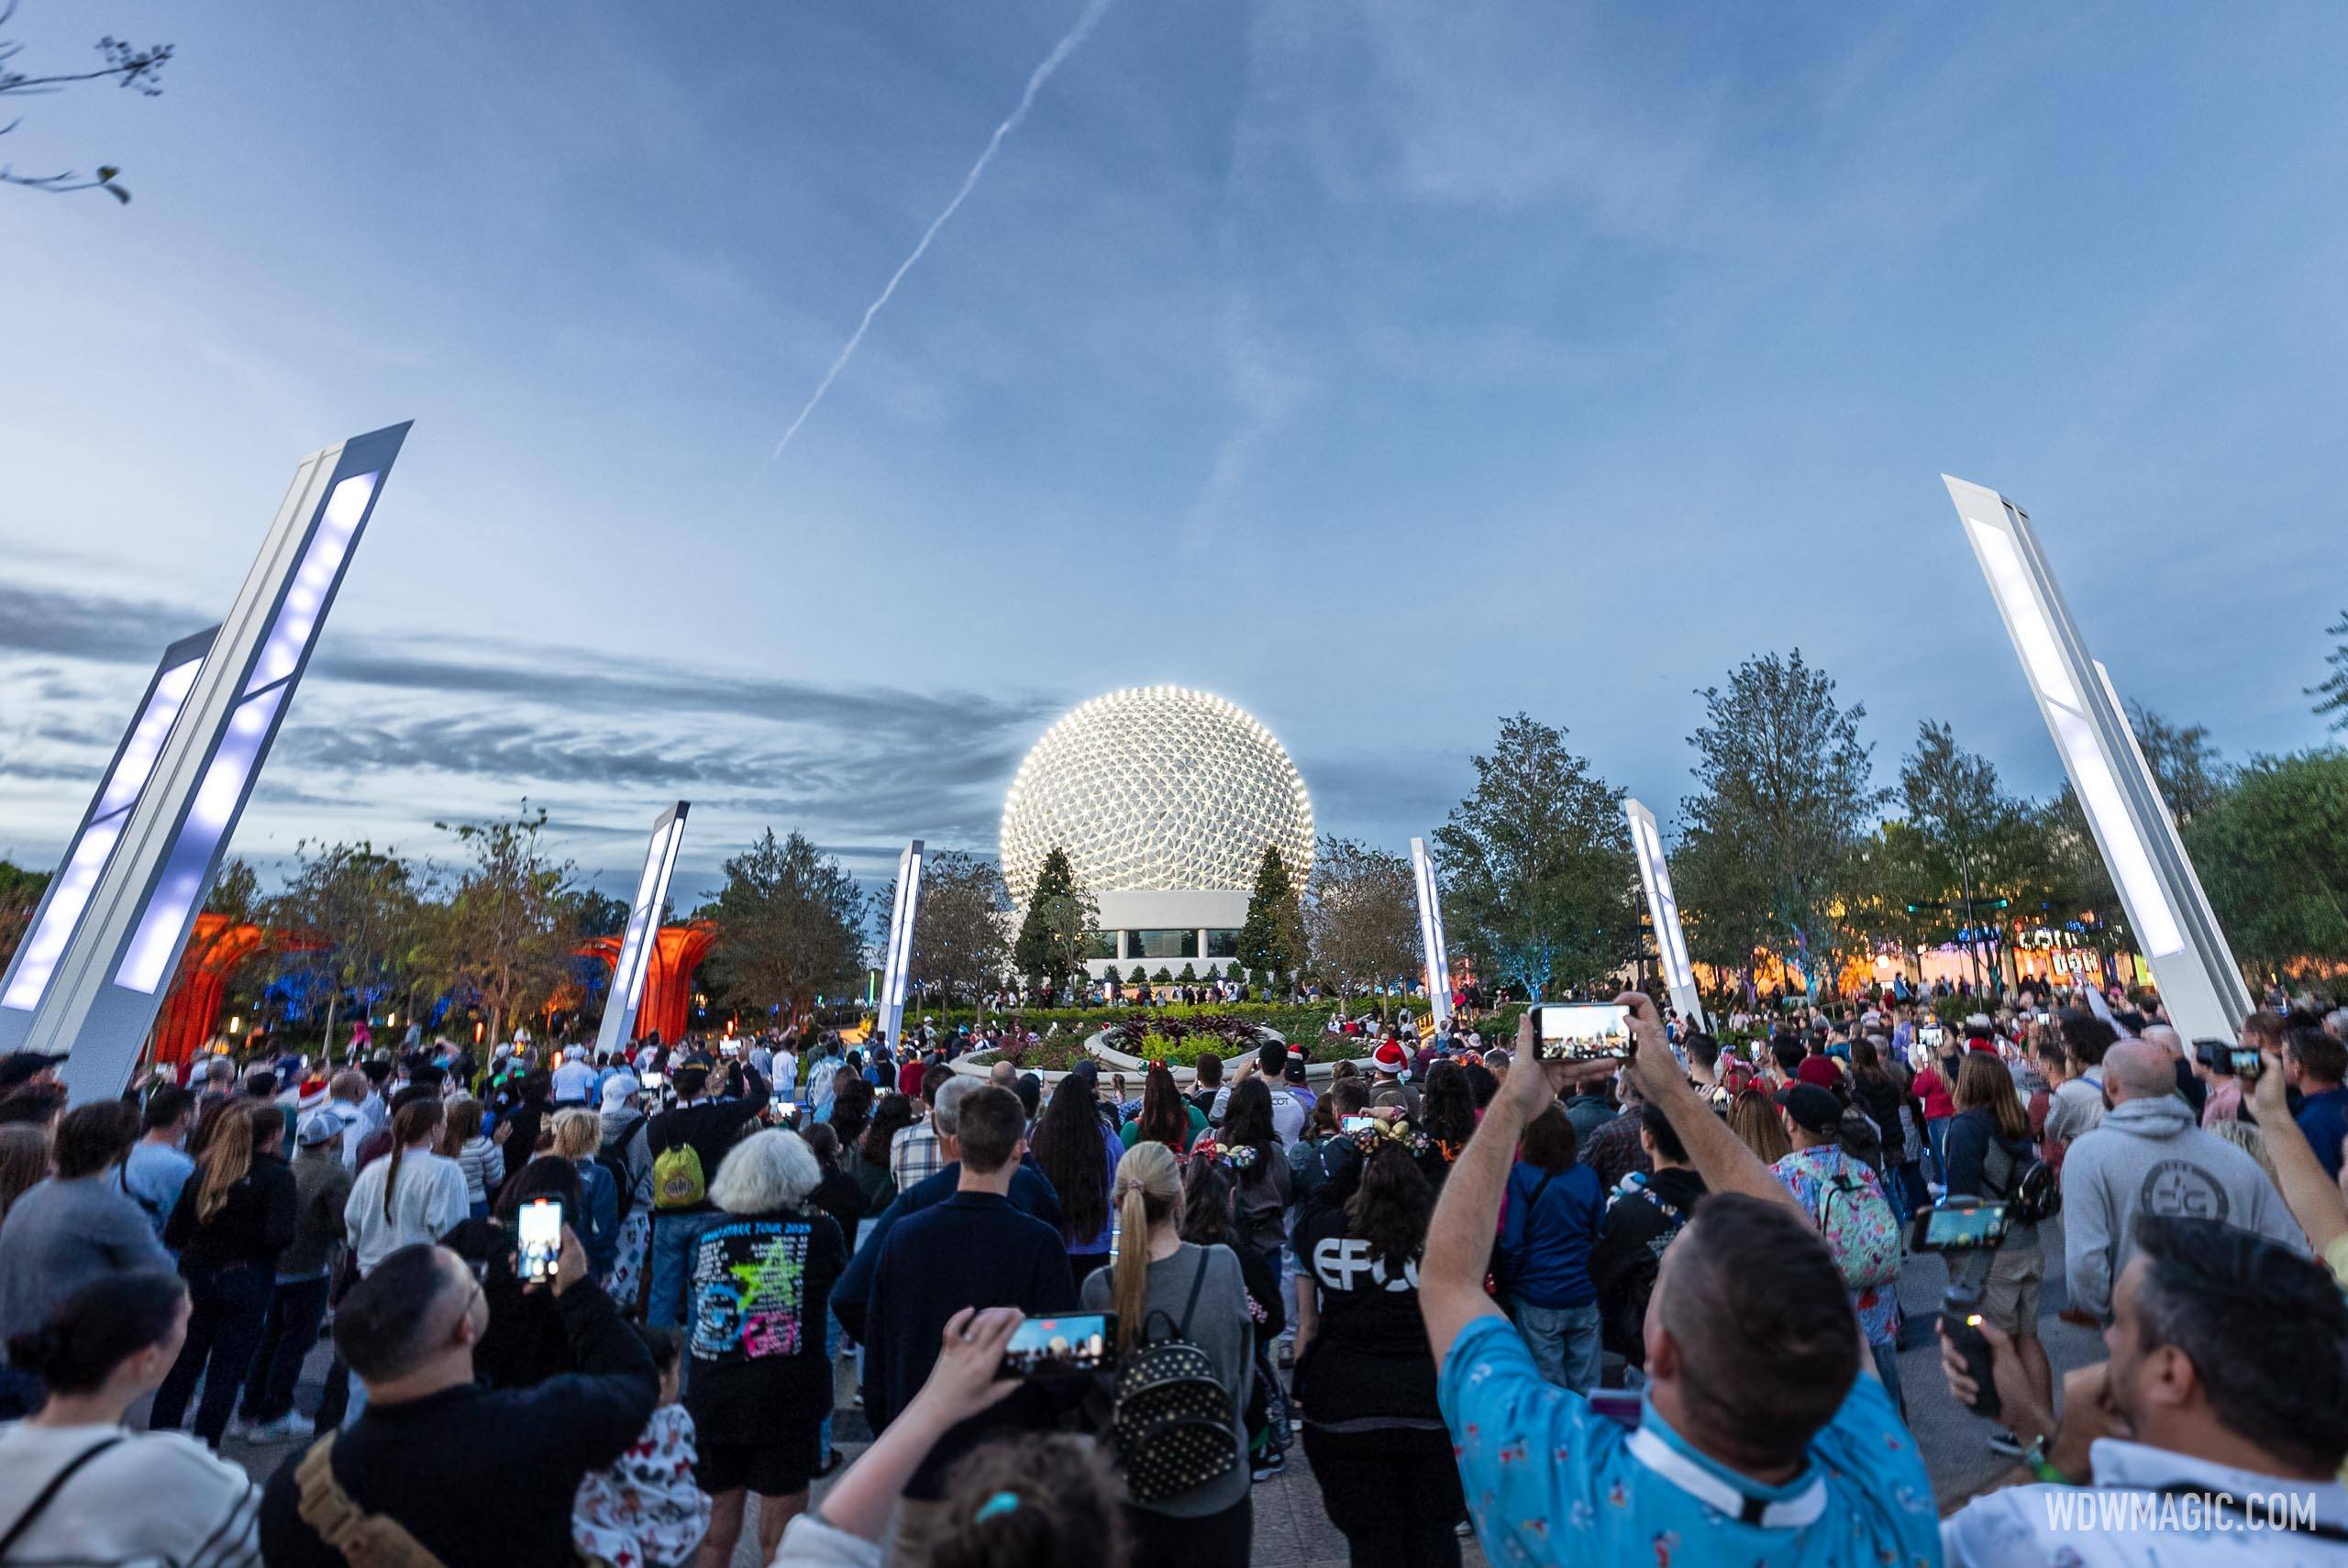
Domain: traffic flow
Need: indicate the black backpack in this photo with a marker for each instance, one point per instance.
(2029, 1187)
(1171, 1423)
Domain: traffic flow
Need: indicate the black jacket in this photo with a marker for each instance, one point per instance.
(484, 1480)
(1632, 1237)
(711, 1126)
(254, 1224)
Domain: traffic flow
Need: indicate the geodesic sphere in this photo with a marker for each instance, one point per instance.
(1156, 787)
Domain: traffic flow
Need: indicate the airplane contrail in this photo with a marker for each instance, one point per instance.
(1043, 73)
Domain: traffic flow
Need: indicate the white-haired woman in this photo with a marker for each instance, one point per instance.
(755, 1305)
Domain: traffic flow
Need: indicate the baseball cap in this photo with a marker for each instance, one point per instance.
(1813, 1109)
(617, 1087)
(321, 1126)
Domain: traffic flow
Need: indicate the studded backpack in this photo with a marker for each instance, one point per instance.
(1171, 1424)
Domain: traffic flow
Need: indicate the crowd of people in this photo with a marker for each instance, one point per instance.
(1641, 1307)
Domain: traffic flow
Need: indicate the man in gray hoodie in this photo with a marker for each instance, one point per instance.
(2149, 1155)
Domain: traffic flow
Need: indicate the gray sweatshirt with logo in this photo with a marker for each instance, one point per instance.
(2150, 1157)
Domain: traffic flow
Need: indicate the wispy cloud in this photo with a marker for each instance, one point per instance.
(1042, 73)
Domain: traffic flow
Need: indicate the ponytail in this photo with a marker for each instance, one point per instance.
(1149, 1190)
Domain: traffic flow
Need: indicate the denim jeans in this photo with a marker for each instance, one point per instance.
(226, 1307)
(1936, 1134)
(673, 1235)
(832, 1333)
(287, 1336)
(1564, 1342)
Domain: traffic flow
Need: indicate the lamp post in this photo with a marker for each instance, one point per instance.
(110, 975)
(2168, 911)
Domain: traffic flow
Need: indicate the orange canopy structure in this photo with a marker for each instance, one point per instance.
(215, 948)
(677, 952)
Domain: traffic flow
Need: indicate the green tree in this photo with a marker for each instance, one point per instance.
(2190, 775)
(2273, 856)
(1537, 876)
(1968, 830)
(1271, 939)
(1139, 977)
(958, 940)
(1058, 924)
(597, 913)
(2331, 696)
(789, 924)
(358, 911)
(20, 891)
(1785, 795)
(1361, 921)
(503, 934)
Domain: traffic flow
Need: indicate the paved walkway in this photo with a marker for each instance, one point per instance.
(1293, 1529)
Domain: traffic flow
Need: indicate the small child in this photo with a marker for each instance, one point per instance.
(643, 1510)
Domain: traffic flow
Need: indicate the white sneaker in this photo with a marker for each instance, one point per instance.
(291, 1426)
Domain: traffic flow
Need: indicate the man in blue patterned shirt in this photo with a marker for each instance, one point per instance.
(1763, 1437)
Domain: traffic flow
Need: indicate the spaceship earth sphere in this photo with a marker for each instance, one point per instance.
(1156, 787)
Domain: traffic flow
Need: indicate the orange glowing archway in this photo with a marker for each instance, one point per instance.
(214, 949)
(677, 952)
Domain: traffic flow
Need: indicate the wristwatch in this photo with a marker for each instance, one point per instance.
(2033, 1459)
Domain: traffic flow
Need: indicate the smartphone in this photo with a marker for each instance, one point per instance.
(1960, 1228)
(785, 1110)
(1580, 1031)
(651, 1080)
(1049, 1347)
(1353, 1124)
(2247, 1064)
(1933, 1035)
(539, 1244)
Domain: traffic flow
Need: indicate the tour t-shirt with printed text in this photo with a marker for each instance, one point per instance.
(756, 1302)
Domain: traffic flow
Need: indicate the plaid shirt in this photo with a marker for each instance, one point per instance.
(913, 1154)
(1613, 1150)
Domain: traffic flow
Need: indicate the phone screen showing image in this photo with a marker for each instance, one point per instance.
(1353, 1124)
(1579, 1030)
(539, 1246)
(784, 1110)
(1045, 1347)
(1962, 1230)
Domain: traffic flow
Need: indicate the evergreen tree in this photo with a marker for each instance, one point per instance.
(1272, 940)
(1058, 924)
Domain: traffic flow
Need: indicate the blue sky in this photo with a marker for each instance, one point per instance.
(1383, 368)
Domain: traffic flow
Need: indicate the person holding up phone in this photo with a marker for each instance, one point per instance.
(1989, 1149)
(480, 1478)
(1764, 1437)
